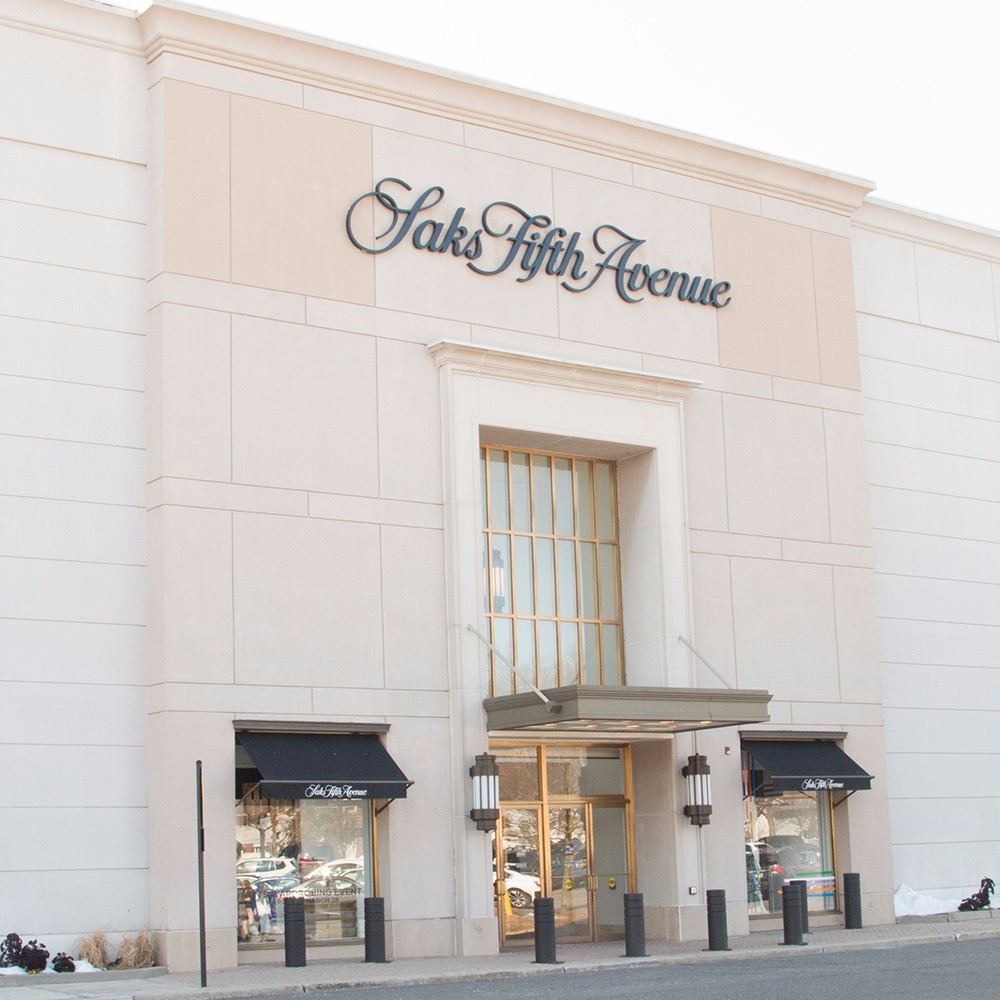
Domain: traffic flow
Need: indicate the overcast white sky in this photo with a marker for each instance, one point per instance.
(905, 93)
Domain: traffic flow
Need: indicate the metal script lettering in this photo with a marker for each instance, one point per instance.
(821, 785)
(320, 791)
(535, 246)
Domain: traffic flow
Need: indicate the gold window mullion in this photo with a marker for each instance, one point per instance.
(524, 616)
(555, 573)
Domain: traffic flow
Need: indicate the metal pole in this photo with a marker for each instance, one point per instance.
(374, 929)
(635, 926)
(200, 810)
(545, 930)
(718, 928)
(852, 901)
(804, 899)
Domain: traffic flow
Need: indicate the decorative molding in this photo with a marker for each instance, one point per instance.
(885, 219)
(100, 25)
(501, 363)
(311, 61)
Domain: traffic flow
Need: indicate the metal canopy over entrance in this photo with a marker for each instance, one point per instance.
(627, 712)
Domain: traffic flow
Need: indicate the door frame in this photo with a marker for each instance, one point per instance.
(543, 805)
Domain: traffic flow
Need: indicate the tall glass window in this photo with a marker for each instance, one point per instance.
(551, 572)
(788, 835)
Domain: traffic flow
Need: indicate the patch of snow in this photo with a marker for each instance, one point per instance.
(909, 903)
(81, 966)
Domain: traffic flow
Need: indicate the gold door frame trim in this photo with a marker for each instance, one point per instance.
(545, 802)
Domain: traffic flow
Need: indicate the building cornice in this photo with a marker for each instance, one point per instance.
(79, 21)
(179, 29)
(931, 230)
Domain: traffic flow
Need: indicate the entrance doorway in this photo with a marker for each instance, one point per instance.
(573, 842)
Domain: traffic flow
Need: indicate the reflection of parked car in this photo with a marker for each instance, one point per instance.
(265, 866)
(521, 888)
(276, 883)
(351, 867)
(790, 851)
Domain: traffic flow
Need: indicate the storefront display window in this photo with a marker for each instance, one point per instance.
(788, 835)
(317, 850)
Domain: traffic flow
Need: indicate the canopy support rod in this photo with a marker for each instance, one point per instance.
(707, 664)
(549, 703)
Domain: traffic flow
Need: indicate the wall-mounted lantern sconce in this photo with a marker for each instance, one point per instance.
(699, 790)
(485, 774)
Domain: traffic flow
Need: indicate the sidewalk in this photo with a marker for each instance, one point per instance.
(256, 980)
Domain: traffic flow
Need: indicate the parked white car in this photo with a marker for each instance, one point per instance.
(351, 867)
(266, 867)
(521, 888)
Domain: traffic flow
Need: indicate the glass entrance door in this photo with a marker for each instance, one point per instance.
(589, 871)
(569, 865)
(517, 869)
(564, 833)
(610, 871)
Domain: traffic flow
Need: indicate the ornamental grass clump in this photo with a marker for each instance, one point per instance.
(136, 952)
(94, 949)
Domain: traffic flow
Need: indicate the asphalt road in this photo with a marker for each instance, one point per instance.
(949, 971)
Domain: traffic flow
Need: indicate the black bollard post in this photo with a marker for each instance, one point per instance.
(804, 900)
(791, 914)
(635, 926)
(718, 927)
(545, 930)
(374, 929)
(295, 932)
(852, 901)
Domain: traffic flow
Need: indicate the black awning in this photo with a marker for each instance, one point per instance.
(324, 766)
(808, 766)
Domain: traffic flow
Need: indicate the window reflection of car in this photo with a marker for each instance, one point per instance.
(351, 867)
(792, 852)
(276, 883)
(259, 867)
(521, 888)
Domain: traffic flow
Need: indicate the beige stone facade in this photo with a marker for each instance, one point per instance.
(244, 478)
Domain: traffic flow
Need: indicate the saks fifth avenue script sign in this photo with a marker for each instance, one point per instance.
(534, 246)
(319, 790)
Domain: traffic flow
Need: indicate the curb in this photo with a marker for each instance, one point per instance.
(688, 958)
(44, 979)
